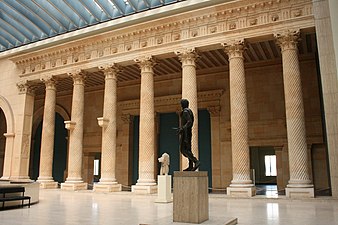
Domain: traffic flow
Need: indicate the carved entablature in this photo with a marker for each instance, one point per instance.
(205, 99)
(227, 18)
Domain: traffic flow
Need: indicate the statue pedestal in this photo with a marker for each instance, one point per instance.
(164, 189)
(191, 201)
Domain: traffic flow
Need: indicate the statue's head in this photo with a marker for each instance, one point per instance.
(184, 103)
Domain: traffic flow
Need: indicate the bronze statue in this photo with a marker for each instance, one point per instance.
(185, 132)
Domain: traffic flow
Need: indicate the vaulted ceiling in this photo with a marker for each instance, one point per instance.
(27, 21)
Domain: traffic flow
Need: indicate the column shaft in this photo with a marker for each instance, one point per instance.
(74, 180)
(239, 116)
(295, 120)
(188, 58)
(147, 127)
(47, 139)
(108, 123)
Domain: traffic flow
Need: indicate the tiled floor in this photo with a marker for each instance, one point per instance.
(85, 207)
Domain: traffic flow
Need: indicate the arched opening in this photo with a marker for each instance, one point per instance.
(60, 150)
(3, 129)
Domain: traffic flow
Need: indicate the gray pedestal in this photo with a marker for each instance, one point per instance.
(191, 202)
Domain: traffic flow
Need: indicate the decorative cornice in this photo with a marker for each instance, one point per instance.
(205, 96)
(233, 15)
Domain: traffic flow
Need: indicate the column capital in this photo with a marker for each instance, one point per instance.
(214, 110)
(111, 71)
(25, 88)
(126, 118)
(49, 81)
(188, 56)
(146, 63)
(287, 39)
(234, 48)
(78, 76)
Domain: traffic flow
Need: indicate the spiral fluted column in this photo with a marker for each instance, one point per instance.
(241, 181)
(108, 123)
(47, 140)
(146, 181)
(188, 58)
(300, 183)
(74, 180)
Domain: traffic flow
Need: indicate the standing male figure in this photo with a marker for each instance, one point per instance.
(185, 131)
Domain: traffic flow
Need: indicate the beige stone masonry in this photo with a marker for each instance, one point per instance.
(231, 18)
(47, 140)
(108, 181)
(74, 180)
(295, 120)
(146, 181)
(239, 120)
(23, 129)
(188, 58)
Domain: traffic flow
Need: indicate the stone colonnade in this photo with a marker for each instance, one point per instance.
(241, 184)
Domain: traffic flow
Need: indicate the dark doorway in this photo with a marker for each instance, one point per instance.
(168, 140)
(60, 151)
(3, 130)
(136, 126)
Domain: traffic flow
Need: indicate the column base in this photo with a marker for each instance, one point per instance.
(144, 189)
(241, 191)
(48, 184)
(292, 192)
(74, 186)
(104, 187)
(164, 189)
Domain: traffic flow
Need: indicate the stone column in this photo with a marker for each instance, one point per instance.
(241, 184)
(146, 182)
(74, 180)
(108, 181)
(188, 58)
(47, 140)
(300, 183)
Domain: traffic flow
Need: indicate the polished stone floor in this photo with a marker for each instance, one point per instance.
(85, 207)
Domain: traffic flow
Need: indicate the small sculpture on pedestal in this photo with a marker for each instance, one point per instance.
(165, 162)
(164, 181)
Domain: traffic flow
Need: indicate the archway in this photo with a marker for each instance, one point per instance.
(3, 129)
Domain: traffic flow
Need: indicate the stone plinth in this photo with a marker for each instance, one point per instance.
(107, 187)
(164, 189)
(191, 202)
(144, 189)
(74, 186)
(241, 191)
(299, 192)
(49, 185)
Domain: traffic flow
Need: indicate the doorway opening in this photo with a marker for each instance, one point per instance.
(264, 170)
